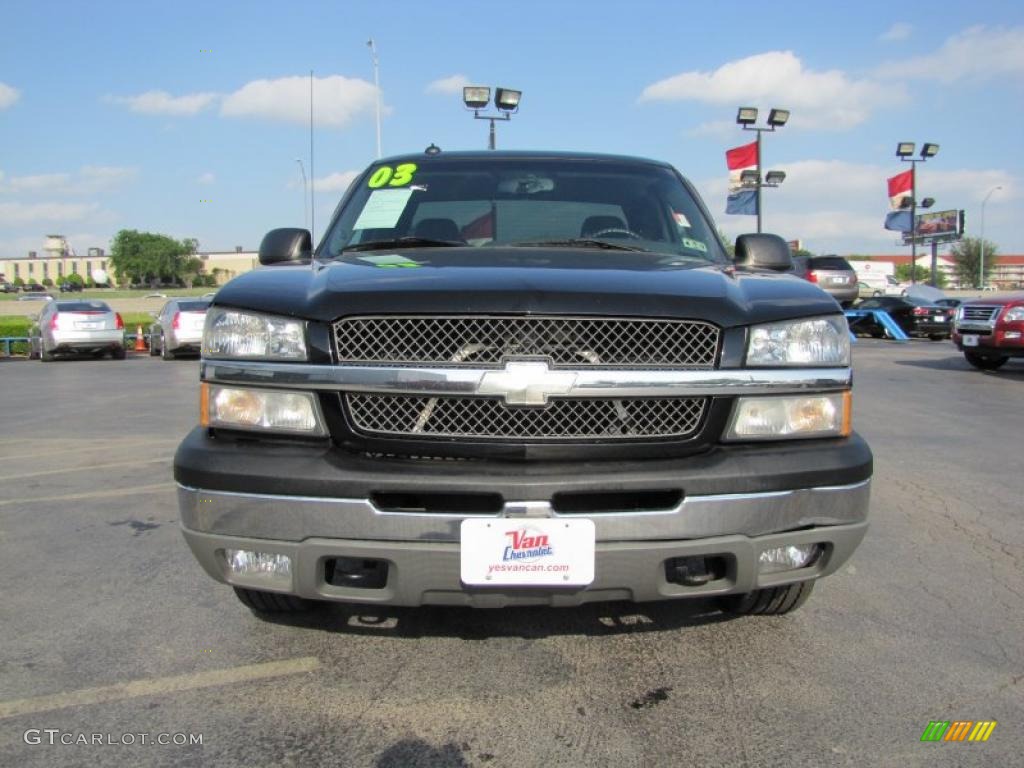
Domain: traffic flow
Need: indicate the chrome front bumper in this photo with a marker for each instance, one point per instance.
(422, 550)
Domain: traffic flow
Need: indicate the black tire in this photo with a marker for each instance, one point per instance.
(985, 363)
(153, 351)
(118, 353)
(877, 334)
(773, 601)
(937, 336)
(165, 353)
(46, 357)
(272, 602)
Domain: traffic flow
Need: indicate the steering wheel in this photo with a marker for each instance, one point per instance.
(617, 231)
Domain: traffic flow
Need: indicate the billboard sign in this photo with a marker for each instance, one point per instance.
(940, 226)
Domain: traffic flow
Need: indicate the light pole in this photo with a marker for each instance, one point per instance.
(376, 85)
(746, 117)
(305, 192)
(477, 97)
(981, 264)
(905, 151)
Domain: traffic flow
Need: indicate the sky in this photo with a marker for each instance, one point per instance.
(187, 118)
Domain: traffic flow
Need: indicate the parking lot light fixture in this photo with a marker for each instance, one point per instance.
(506, 101)
(476, 97)
(746, 116)
(928, 202)
(905, 152)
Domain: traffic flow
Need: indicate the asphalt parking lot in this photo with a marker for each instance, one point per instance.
(108, 626)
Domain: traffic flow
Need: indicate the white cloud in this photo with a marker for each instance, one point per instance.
(825, 99)
(8, 95)
(336, 100)
(89, 180)
(898, 31)
(206, 178)
(24, 213)
(453, 84)
(163, 103)
(335, 182)
(978, 52)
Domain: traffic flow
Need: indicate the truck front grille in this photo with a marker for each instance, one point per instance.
(470, 340)
(491, 419)
(979, 314)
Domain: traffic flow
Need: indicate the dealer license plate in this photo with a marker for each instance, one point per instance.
(89, 325)
(533, 552)
(940, 318)
(838, 280)
(970, 340)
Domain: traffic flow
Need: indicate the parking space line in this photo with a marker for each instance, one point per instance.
(66, 470)
(87, 443)
(165, 486)
(157, 686)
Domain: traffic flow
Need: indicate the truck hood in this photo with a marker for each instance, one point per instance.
(538, 281)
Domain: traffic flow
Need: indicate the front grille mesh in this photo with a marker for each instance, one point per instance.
(567, 341)
(486, 418)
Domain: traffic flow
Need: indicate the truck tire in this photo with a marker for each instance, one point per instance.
(985, 363)
(773, 601)
(272, 602)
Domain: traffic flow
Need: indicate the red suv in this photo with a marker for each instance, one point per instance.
(990, 331)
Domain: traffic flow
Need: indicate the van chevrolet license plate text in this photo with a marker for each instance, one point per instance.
(536, 552)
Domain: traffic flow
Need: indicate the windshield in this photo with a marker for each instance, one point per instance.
(592, 203)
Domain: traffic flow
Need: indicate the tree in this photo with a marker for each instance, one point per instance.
(140, 257)
(966, 256)
(191, 269)
(921, 275)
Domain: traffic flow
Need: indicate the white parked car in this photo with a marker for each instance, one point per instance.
(881, 285)
(77, 326)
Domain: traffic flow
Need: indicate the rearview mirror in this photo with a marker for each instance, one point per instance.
(763, 252)
(286, 245)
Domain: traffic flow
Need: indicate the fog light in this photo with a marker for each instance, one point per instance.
(788, 558)
(265, 568)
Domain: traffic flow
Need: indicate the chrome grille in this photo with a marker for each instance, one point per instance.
(979, 314)
(486, 418)
(567, 341)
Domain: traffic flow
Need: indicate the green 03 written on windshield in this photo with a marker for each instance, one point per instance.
(525, 202)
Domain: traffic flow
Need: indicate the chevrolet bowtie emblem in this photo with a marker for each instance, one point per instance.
(526, 383)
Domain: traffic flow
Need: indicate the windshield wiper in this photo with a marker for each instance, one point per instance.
(403, 242)
(578, 242)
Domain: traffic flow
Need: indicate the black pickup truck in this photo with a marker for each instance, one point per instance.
(520, 378)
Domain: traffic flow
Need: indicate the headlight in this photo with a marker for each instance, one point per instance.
(1014, 315)
(817, 341)
(236, 335)
(791, 417)
(264, 410)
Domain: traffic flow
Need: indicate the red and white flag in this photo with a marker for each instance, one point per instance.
(739, 160)
(900, 188)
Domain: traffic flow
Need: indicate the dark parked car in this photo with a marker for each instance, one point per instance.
(522, 378)
(71, 287)
(833, 274)
(916, 316)
(33, 288)
(6, 287)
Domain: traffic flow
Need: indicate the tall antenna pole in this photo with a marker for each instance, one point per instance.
(312, 173)
(376, 86)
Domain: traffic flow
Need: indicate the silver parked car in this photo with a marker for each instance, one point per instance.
(833, 274)
(77, 326)
(178, 328)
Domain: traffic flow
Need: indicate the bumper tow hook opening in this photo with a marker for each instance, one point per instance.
(694, 571)
(356, 573)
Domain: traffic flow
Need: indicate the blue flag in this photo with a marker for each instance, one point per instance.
(898, 220)
(743, 201)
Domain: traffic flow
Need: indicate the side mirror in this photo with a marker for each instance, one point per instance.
(763, 252)
(284, 245)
